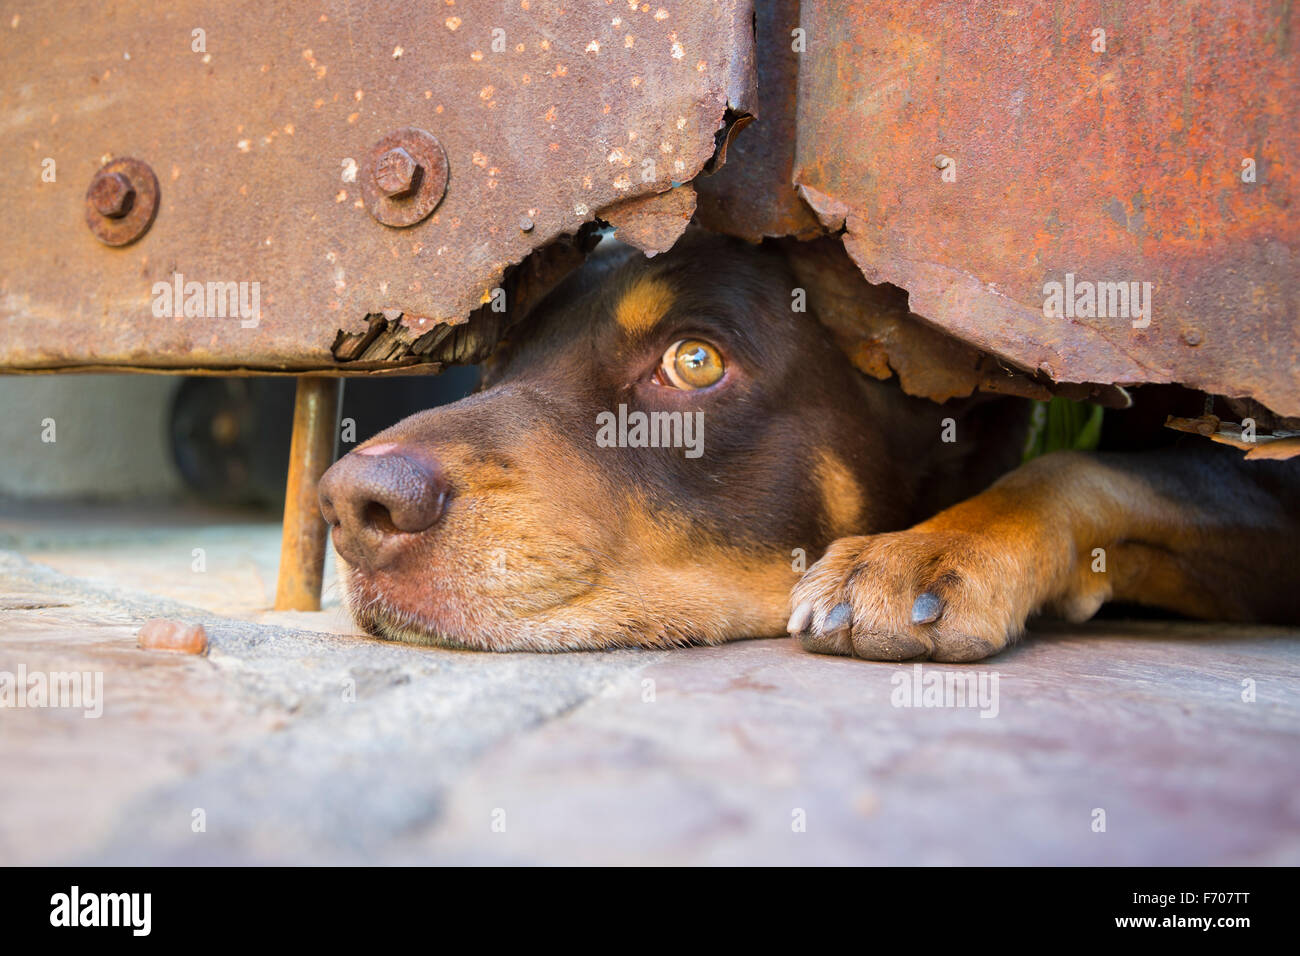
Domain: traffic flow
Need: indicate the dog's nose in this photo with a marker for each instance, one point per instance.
(375, 497)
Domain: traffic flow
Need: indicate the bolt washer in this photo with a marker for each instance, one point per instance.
(128, 228)
(432, 160)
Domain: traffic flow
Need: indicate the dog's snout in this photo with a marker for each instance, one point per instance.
(375, 497)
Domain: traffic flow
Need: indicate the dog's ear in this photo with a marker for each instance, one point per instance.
(882, 337)
(969, 391)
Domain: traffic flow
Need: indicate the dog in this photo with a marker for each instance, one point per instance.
(543, 513)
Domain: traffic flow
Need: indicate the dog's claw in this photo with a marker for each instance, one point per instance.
(927, 608)
(800, 618)
(837, 618)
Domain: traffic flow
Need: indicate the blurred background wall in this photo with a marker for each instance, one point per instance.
(217, 440)
(109, 431)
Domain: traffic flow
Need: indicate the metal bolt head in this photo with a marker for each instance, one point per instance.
(397, 173)
(112, 195)
(121, 201)
(404, 177)
(526, 223)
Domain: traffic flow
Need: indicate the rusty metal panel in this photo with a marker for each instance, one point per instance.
(753, 195)
(976, 153)
(261, 122)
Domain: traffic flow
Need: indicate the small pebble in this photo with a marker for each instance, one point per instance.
(161, 634)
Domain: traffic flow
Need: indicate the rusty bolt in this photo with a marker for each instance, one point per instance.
(1192, 337)
(526, 224)
(112, 194)
(404, 177)
(397, 173)
(121, 201)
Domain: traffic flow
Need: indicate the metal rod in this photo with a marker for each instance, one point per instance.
(302, 549)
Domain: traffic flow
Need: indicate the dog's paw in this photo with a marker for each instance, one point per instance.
(940, 595)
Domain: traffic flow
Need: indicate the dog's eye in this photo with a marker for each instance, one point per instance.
(691, 364)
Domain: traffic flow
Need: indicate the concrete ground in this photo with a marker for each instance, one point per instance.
(296, 741)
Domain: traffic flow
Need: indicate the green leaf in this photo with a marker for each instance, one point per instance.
(1061, 424)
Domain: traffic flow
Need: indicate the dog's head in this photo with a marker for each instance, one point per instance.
(648, 460)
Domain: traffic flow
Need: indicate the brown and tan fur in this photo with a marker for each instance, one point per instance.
(548, 542)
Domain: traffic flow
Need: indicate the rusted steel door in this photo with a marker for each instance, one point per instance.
(1089, 193)
(332, 186)
(1095, 192)
(1098, 191)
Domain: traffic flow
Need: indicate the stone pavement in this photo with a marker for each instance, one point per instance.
(296, 741)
